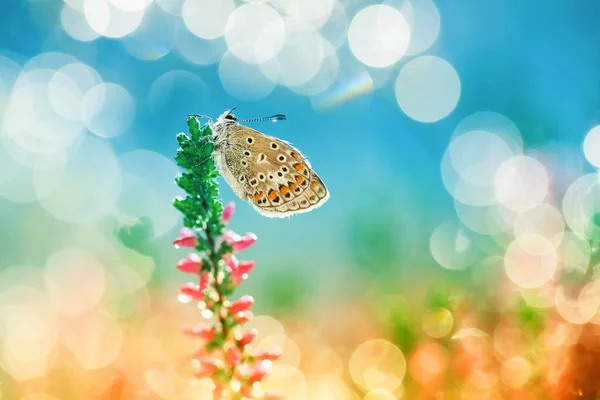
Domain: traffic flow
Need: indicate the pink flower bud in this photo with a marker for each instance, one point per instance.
(201, 331)
(204, 281)
(191, 264)
(187, 238)
(258, 373)
(242, 304)
(232, 262)
(246, 241)
(248, 337)
(228, 212)
(270, 355)
(209, 365)
(241, 272)
(238, 242)
(244, 316)
(244, 267)
(192, 290)
(234, 356)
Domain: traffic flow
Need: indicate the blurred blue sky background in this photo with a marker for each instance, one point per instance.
(536, 62)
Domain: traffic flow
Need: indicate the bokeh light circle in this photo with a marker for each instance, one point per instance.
(255, 32)
(155, 37)
(581, 206)
(452, 246)
(428, 89)
(242, 80)
(437, 323)
(73, 23)
(378, 36)
(543, 220)
(530, 269)
(299, 60)
(207, 18)
(75, 281)
(591, 146)
(84, 189)
(108, 20)
(469, 166)
(521, 183)
(108, 110)
(377, 364)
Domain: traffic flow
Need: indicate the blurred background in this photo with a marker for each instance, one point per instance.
(456, 259)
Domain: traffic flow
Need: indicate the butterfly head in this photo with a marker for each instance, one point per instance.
(227, 117)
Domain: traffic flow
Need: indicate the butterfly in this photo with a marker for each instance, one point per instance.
(268, 172)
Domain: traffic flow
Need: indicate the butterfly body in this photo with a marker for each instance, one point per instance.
(266, 171)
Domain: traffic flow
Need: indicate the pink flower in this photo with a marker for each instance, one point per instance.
(187, 238)
(191, 264)
(192, 290)
(245, 267)
(270, 355)
(228, 212)
(258, 373)
(248, 337)
(231, 261)
(201, 331)
(209, 365)
(241, 272)
(204, 281)
(244, 316)
(238, 242)
(242, 304)
(234, 356)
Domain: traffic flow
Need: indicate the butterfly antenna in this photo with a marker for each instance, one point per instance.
(276, 117)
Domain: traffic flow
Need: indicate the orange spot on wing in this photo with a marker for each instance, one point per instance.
(293, 186)
(299, 179)
(296, 156)
(314, 185)
(283, 189)
(299, 167)
(272, 194)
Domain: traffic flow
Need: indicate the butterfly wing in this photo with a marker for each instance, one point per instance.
(270, 173)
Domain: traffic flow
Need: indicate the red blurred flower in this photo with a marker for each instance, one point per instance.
(234, 356)
(208, 367)
(204, 281)
(244, 316)
(238, 242)
(270, 355)
(248, 337)
(241, 304)
(187, 238)
(258, 373)
(244, 267)
(191, 264)
(192, 290)
(201, 331)
(228, 212)
(232, 262)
